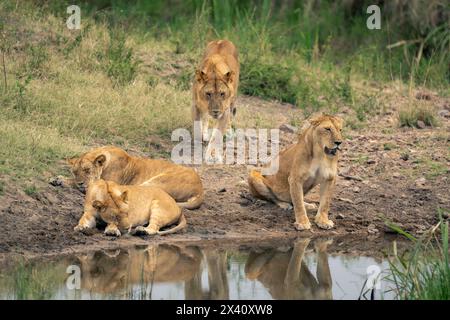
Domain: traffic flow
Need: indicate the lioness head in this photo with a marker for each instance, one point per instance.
(216, 91)
(99, 198)
(88, 167)
(327, 133)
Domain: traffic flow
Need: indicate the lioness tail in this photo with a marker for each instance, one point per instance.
(181, 225)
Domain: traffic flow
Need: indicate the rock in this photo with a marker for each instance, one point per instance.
(422, 95)
(56, 181)
(346, 200)
(356, 189)
(420, 124)
(242, 183)
(221, 190)
(396, 175)
(52, 199)
(420, 182)
(372, 229)
(370, 161)
(340, 216)
(444, 113)
(288, 128)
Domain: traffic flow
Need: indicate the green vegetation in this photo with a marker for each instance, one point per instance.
(31, 190)
(424, 272)
(410, 115)
(126, 75)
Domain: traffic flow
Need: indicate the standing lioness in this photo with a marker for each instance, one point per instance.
(311, 161)
(215, 87)
(111, 163)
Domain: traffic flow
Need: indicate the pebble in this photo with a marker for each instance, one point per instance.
(421, 124)
(420, 182)
(372, 229)
(444, 113)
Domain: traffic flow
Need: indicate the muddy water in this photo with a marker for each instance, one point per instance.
(303, 271)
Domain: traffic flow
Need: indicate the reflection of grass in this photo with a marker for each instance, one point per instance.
(425, 273)
(31, 283)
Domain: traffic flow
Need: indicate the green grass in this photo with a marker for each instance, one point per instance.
(118, 61)
(424, 272)
(30, 190)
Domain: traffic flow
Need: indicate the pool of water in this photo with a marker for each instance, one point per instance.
(305, 270)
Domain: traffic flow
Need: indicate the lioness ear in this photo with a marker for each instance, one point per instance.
(97, 204)
(229, 76)
(201, 76)
(124, 196)
(100, 160)
(339, 121)
(72, 161)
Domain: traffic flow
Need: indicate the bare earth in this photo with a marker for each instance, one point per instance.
(386, 173)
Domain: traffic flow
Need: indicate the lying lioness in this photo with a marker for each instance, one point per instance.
(215, 87)
(303, 165)
(114, 164)
(126, 207)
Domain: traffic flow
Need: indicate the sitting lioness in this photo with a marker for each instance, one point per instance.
(114, 164)
(126, 207)
(303, 165)
(215, 87)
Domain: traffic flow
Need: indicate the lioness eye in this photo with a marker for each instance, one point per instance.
(208, 95)
(328, 129)
(222, 94)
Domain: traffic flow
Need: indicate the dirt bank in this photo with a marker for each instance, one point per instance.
(386, 173)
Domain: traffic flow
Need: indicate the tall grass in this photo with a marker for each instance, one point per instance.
(424, 273)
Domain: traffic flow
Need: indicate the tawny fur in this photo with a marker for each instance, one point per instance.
(114, 164)
(215, 87)
(126, 207)
(302, 166)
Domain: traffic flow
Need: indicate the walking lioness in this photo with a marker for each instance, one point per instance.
(215, 87)
(303, 165)
(111, 163)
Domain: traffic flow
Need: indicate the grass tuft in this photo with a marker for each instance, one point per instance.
(423, 273)
(410, 115)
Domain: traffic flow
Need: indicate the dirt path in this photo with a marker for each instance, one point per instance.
(386, 173)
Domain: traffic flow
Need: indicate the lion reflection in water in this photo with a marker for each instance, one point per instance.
(286, 275)
(114, 271)
(283, 273)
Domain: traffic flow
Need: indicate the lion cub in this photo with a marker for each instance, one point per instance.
(302, 166)
(126, 207)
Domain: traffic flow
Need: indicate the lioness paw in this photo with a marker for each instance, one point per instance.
(57, 181)
(324, 223)
(81, 228)
(143, 230)
(113, 232)
(302, 226)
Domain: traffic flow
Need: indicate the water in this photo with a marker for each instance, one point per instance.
(303, 271)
